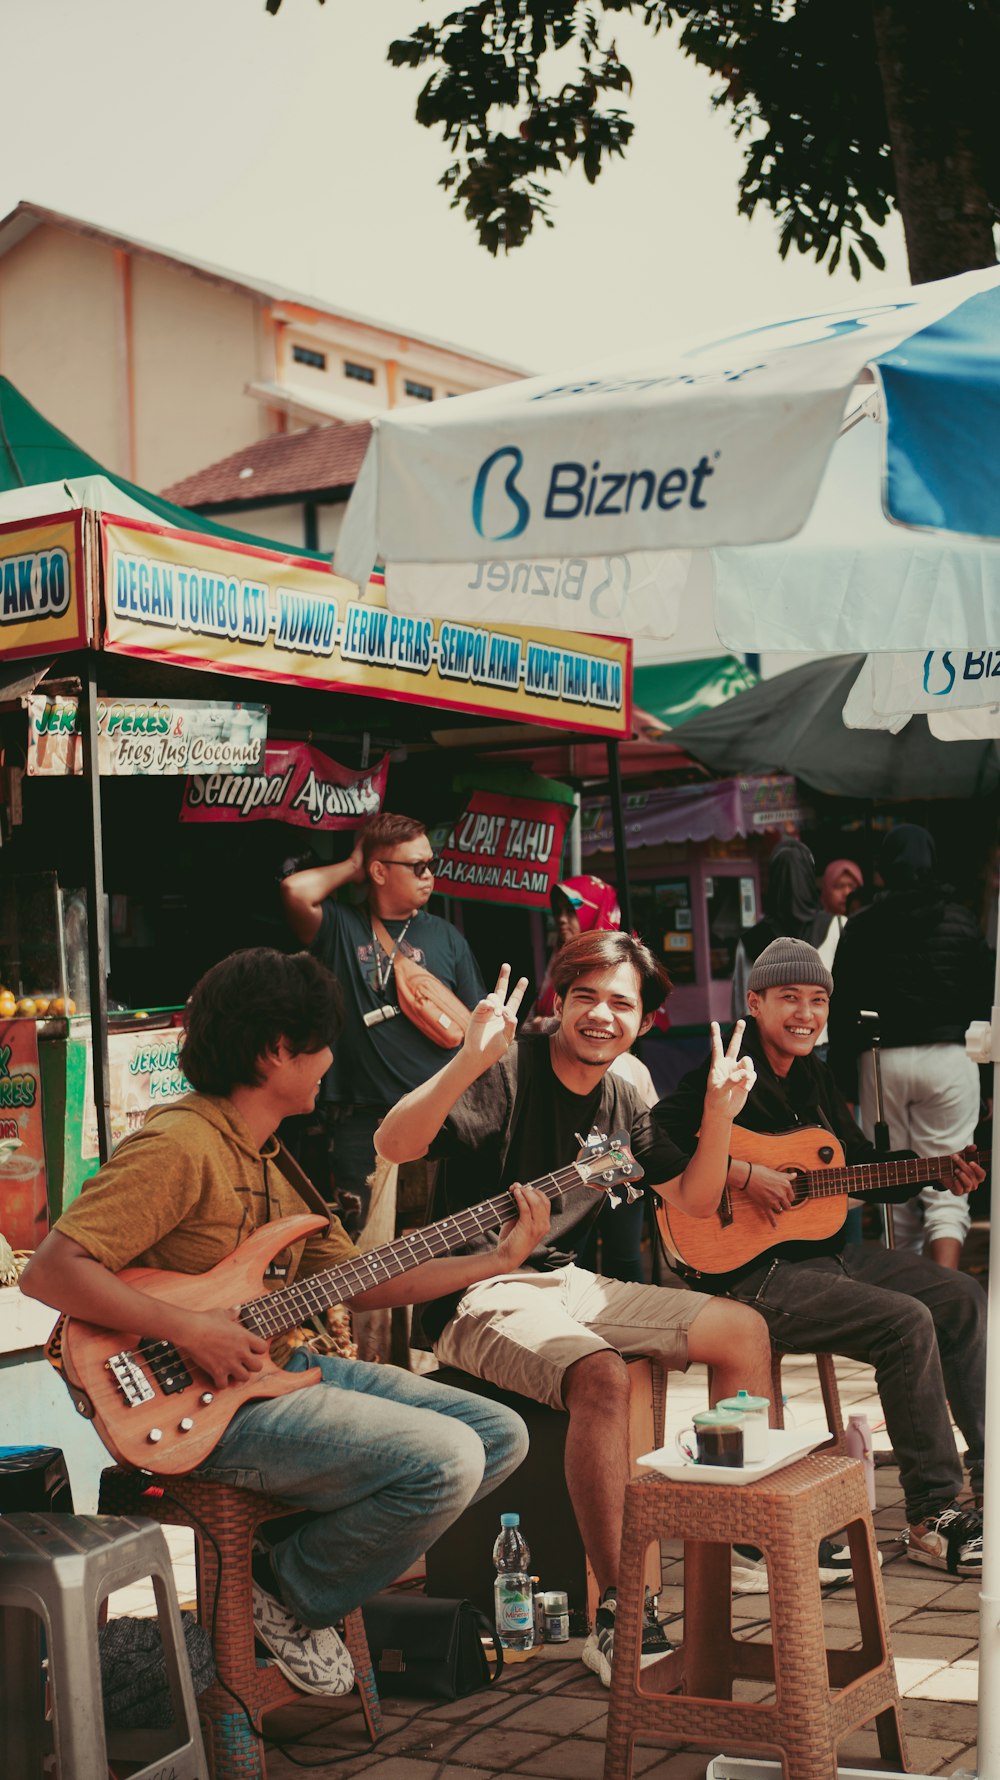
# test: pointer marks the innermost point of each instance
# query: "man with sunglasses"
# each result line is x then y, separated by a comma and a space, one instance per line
381, 1055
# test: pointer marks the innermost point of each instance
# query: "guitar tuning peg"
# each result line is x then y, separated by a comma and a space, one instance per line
582, 1141
632, 1193
614, 1200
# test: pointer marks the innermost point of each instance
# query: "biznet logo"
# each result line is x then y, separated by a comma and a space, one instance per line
500, 508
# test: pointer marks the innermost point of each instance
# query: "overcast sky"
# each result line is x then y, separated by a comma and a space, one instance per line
286, 147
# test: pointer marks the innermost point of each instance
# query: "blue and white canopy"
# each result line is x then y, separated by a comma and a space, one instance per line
607, 499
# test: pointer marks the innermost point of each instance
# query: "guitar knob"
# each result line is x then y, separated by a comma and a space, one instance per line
154, 1435
206, 1398
185, 1425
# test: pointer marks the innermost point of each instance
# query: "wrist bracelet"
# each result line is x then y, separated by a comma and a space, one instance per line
746, 1183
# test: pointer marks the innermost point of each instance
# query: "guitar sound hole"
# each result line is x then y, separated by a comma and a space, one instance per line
166, 1365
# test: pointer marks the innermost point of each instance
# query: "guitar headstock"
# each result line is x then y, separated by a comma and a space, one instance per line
605, 1163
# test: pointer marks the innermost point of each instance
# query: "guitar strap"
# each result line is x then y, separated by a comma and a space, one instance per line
296, 1178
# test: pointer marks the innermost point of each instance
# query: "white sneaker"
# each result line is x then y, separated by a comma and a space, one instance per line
314, 1659
750, 1571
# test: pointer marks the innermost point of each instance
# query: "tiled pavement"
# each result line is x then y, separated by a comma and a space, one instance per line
546, 1716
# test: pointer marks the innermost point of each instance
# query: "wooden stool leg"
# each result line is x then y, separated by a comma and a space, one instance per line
807, 1737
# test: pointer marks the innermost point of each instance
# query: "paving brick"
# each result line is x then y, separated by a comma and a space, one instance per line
563, 1716
501, 1749
921, 1643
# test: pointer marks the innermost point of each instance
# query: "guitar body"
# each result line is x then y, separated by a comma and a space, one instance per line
737, 1232
126, 1426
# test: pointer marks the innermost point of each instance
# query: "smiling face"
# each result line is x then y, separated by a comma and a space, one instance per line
789, 1019
600, 1017
294, 1078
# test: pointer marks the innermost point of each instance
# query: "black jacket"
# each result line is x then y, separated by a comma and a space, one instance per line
807, 1095
918, 959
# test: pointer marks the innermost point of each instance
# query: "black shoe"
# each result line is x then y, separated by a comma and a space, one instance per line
599, 1648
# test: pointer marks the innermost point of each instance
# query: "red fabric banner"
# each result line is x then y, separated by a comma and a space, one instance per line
298, 785
504, 849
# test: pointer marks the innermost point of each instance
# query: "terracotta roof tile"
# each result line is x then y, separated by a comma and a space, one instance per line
290, 464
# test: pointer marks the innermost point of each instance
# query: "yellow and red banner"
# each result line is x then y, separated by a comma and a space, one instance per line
174, 596
43, 604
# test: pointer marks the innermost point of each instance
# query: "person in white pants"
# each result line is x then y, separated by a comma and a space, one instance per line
930, 1097
918, 959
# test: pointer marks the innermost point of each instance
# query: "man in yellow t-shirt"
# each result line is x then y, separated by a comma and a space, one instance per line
384, 1460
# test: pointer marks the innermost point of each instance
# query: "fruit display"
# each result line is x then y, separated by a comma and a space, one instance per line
33, 1007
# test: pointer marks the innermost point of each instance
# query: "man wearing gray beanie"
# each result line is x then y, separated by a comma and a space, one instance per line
922, 1326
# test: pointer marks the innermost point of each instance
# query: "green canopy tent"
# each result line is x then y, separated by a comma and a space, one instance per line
34, 453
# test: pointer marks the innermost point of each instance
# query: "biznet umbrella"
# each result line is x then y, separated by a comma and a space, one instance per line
606, 499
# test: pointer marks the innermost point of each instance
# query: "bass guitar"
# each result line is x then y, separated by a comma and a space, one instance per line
152, 1406
737, 1232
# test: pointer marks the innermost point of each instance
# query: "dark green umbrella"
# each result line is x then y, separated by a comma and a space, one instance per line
794, 724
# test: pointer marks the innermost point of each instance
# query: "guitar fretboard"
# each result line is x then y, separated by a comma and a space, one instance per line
869, 1177
284, 1308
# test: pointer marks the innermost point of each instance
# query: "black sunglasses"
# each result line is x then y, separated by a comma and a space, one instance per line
421, 868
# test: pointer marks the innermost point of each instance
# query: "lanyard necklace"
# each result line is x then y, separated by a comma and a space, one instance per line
382, 975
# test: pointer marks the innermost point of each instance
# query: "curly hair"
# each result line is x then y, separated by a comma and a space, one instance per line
243, 1006
606, 950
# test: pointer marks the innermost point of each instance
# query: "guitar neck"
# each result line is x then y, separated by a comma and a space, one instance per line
871, 1177
288, 1305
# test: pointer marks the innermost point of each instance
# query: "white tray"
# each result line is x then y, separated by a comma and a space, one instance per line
784, 1446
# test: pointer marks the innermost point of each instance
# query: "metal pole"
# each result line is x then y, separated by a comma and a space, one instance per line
97, 955
617, 818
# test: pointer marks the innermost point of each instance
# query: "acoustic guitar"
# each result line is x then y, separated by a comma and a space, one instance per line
153, 1407
737, 1232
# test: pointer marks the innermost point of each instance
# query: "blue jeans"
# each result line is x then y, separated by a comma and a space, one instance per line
384, 1460
922, 1327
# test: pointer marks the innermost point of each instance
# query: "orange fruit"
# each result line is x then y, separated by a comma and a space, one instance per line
26, 1008
59, 1006
42, 1004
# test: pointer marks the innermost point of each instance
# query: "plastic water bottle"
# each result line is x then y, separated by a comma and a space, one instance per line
515, 1619
858, 1440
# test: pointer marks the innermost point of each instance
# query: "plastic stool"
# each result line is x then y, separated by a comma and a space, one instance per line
821, 1694
34, 1477
224, 1521
58, 1569
829, 1388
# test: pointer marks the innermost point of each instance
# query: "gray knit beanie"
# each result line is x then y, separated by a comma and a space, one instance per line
789, 961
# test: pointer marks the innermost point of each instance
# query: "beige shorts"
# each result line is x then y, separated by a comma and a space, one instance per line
524, 1330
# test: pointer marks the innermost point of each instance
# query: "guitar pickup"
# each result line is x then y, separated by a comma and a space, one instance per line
166, 1365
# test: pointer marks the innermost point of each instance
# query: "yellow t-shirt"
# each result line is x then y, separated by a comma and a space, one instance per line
183, 1192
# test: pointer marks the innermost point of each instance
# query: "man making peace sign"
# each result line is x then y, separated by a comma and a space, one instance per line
506, 1110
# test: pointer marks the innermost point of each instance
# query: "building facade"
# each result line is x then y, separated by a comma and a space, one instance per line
159, 365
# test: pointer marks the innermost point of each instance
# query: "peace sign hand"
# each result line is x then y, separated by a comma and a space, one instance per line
730, 1076
494, 1022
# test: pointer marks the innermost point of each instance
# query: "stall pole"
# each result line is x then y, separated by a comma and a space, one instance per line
621, 857
97, 956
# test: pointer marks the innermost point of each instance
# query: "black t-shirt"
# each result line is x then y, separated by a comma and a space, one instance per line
517, 1123
375, 1065
807, 1095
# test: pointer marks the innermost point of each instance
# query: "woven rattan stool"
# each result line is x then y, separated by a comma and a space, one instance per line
822, 1694
57, 1570
224, 1522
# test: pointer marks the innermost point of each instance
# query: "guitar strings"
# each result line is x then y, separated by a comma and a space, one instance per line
276, 1311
